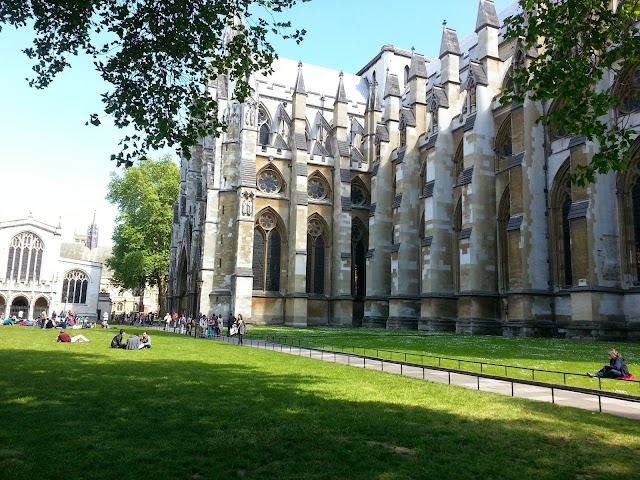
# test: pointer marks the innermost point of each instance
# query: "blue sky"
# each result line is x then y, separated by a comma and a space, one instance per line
54, 166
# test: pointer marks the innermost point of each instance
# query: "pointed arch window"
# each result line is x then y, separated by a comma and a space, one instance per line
402, 126
629, 195
457, 227
432, 108
504, 214
561, 226
264, 127
316, 255
629, 87
24, 261
470, 102
458, 162
74, 287
358, 264
556, 128
504, 143
267, 253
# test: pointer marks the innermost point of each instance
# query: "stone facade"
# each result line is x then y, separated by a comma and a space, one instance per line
37, 276
407, 196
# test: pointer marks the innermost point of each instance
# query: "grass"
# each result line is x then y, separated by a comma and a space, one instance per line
576, 357
191, 409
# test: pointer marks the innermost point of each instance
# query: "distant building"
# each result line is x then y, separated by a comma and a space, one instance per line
39, 277
44, 274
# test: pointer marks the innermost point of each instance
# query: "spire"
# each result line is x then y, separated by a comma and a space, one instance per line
418, 66
341, 96
92, 234
392, 85
449, 44
299, 88
487, 16
232, 30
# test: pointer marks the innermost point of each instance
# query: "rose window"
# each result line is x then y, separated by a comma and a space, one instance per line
314, 228
357, 195
316, 189
268, 182
267, 221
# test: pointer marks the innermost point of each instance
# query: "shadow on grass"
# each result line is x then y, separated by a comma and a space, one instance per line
73, 414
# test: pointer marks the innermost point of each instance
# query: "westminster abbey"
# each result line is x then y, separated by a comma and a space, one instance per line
407, 196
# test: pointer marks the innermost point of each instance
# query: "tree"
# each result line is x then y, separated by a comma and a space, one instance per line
159, 56
575, 45
144, 195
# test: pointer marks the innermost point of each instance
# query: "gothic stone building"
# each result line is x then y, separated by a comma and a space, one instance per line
407, 196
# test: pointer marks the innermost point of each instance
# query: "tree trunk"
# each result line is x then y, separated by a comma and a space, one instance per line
162, 294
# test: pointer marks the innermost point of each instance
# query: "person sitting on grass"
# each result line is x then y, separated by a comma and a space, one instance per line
133, 343
145, 341
118, 340
65, 338
617, 367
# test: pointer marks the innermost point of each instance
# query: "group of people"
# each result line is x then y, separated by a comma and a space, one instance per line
134, 342
205, 326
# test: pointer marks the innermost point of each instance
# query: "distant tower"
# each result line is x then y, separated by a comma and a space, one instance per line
92, 234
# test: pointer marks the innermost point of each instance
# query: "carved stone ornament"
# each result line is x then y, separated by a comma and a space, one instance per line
247, 198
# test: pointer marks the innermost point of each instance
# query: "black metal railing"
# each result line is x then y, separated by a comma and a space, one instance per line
446, 362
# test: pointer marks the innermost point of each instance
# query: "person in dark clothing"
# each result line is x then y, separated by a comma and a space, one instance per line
230, 321
616, 368
118, 341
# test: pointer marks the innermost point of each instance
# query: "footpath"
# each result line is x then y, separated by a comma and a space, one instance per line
620, 404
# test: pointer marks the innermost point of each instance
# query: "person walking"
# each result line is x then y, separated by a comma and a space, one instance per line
242, 329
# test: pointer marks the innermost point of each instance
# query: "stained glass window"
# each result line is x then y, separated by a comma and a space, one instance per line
269, 182
316, 189
315, 257
631, 97
358, 197
267, 251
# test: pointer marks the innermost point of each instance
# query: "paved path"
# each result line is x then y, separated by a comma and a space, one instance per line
578, 398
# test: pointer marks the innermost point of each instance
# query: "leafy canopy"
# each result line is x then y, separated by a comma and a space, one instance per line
159, 56
578, 45
144, 195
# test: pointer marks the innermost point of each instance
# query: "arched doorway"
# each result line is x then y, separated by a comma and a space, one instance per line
41, 305
3, 306
19, 304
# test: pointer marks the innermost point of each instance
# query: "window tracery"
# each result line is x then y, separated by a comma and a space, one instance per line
630, 97
264, 126
24, 261
267, 253
74, 287
315, 256
317, 189
269, 181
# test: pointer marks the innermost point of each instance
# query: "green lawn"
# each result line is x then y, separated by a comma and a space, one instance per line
556, 355
190, 409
